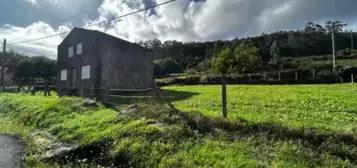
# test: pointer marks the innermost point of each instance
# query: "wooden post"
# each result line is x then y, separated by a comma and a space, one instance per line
296, 75
3, 66
313, 74
352, 80
352, 43
333, 49
82, 93
250, 77
224, 96
279, 76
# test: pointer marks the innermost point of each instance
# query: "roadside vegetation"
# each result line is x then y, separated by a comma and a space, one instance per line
293, 130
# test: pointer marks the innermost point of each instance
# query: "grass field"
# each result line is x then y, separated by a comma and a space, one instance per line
327, 107
139, 141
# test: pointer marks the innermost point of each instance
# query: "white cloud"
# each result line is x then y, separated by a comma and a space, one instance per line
186, 20
32, 1
47, 47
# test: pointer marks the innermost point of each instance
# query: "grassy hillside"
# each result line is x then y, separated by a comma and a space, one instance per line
158, 137
327, 107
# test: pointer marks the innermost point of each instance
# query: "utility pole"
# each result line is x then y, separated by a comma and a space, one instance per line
333, 48
3, 66
334, 27
352, 44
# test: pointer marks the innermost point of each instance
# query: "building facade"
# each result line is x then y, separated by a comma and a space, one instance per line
92, 62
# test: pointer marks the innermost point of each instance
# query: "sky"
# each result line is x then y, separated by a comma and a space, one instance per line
182, 20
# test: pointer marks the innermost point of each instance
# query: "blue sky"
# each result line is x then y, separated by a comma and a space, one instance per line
184, 20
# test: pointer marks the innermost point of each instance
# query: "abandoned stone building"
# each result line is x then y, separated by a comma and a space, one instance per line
92, 62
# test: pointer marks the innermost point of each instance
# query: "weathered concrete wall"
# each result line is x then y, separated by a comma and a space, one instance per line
125, 65
88, 57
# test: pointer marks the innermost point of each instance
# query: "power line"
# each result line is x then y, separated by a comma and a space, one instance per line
39, 38
109, 20
72, 16
63, 20
118, 17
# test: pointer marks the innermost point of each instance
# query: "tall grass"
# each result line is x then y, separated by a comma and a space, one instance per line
158, 138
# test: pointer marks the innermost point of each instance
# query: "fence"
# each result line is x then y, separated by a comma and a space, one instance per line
271, 77
286, 75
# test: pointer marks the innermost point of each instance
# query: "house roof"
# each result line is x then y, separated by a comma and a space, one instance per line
103, 34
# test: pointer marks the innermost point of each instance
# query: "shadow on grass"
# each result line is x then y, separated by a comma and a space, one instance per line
178, 95
341, 145
172, 95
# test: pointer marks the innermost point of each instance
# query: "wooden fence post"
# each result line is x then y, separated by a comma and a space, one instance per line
224, 96
313, 74
352, 80
82, 91
296, 75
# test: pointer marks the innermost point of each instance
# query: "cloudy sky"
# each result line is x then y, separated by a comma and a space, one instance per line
184, 20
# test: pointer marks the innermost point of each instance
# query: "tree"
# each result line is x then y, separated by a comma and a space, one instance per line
43, 67
35, 67
312, 40
275, 49
23, 70
320, 28
223, 65
334, 26
166, 66
310, 27
246, 58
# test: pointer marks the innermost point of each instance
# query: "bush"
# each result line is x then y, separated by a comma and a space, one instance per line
166, 66
191, 71
345, 51
205, 65
158, 71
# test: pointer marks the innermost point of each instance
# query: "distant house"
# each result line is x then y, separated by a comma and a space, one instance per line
92, 62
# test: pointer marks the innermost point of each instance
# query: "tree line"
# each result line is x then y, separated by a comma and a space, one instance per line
313, 40
25, 69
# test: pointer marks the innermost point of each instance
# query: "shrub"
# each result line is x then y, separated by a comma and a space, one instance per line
166, 66
345, 51
158, 71
191, 71
205, 65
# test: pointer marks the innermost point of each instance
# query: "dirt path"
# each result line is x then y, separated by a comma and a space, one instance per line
10, 152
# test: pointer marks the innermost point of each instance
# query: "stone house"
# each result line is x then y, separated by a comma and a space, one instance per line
92, 62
